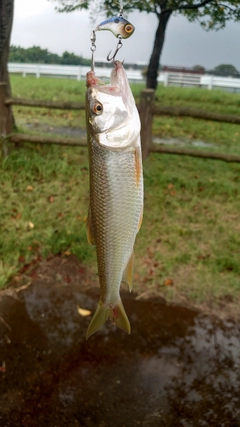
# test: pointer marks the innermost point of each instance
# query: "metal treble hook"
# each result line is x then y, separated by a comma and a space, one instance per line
119, 45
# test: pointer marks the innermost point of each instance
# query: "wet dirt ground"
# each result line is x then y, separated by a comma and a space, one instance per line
177, 368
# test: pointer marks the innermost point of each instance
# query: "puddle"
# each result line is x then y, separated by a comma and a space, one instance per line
177, 368
76, 132
69, 131
181, 142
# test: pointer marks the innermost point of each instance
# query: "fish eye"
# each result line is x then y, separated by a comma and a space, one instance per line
128, 28
97, 108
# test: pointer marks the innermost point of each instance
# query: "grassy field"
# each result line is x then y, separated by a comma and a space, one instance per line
189, 246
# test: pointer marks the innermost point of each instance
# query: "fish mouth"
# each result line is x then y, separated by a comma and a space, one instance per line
115, 80
92, 80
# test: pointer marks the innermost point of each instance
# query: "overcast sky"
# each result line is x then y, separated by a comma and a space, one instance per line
37, 23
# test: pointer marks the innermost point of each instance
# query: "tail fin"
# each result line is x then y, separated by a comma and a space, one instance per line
117, 314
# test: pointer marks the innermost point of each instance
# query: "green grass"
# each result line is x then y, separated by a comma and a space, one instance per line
221, 137
189, 244
48, 89
191, 226
44, 199
203, 99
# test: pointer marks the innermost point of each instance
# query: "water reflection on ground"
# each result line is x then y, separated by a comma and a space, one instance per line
181, 142
177, 368
75, 132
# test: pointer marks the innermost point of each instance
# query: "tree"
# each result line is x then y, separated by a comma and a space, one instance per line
225, 70
37, 54
6, 18
70, 59
211, 14
199, 68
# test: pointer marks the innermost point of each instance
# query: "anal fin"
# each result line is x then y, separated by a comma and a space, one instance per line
128, 272
140, 220
89, 229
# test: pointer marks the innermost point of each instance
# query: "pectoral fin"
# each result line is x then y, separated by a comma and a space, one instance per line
89, 229
128, 272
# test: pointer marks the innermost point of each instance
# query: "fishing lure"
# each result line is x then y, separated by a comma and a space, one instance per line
118, 25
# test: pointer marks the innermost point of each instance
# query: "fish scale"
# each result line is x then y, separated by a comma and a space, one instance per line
114, 224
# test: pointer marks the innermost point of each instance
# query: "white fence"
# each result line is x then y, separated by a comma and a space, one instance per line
72, 71
206, 81
167, 78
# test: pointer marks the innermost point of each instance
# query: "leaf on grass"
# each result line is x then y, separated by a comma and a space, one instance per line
67, 253
83, 312
170, 190
203, 256
29, 188
168, 282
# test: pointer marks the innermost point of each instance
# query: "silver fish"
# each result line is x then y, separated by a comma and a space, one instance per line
116, 189
118, 26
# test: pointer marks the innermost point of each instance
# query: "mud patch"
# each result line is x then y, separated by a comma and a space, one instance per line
177, 368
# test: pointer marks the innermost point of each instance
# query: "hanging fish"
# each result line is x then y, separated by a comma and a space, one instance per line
118, 26
116, 189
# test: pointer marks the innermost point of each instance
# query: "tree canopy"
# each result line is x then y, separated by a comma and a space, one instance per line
36, 54
225, 70
211, 14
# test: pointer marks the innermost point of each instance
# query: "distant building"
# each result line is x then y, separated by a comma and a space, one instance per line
185, 70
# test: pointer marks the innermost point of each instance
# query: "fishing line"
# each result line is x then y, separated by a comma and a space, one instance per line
120, 8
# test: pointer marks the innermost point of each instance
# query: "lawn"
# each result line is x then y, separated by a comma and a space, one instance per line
188, 248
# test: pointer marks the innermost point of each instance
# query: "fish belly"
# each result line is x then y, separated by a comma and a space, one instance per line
116, 201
